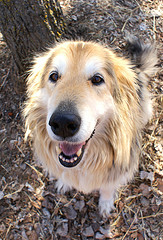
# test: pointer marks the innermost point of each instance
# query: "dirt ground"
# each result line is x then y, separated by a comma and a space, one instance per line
30, 208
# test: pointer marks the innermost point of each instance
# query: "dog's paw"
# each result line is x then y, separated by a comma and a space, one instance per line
106, 206
61, 187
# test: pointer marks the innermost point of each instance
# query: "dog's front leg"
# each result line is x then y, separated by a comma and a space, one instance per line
106, 201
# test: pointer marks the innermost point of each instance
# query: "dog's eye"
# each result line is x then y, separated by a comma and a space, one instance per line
54, 76
97, 79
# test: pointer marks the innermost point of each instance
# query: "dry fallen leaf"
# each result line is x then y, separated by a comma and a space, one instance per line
140, 236
145, 189
160, 184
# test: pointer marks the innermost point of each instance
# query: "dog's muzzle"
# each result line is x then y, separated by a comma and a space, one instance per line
65, 123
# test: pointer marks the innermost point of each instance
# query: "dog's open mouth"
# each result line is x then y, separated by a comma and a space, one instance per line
70, 154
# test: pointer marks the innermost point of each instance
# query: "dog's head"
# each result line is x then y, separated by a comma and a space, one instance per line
76, 87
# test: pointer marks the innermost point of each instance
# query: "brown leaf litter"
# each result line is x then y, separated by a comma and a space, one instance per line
30, 207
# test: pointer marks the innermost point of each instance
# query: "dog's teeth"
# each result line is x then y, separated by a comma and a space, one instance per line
79, 152
75, 158
61, 157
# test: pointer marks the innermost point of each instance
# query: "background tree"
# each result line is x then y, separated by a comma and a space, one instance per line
28, 26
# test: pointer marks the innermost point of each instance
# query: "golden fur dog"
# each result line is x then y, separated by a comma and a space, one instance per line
85, 112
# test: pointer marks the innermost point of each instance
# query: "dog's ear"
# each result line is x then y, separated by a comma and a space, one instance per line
37, 72
122, 76
33, 111
125, 80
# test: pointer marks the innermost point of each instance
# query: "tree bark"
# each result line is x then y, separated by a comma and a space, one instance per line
28, 27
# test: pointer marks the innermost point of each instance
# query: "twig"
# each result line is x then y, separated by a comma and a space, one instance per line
67, 204
113, 40
128, 18
143, 224
8, 231
17, 191
151, 135
56, 206
3, 83
38, 173
20, 150
130, 225
5, 187
130, 209
134, 196
151, 216
117, 219
138, 5
151, 159
156, 125
154, 27
126, 22
4, 139
34, 203
4, 168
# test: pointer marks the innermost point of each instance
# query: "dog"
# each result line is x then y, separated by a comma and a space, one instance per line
85, 112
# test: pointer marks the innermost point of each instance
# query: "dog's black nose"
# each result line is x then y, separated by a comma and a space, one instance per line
65, 124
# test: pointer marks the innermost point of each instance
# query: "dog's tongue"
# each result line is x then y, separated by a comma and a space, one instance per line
70, 149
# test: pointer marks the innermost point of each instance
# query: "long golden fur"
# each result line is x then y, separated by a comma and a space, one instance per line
113, 107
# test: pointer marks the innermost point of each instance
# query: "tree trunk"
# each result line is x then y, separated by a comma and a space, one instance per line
29, 26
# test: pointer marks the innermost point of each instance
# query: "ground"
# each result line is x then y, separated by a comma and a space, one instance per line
30, 208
